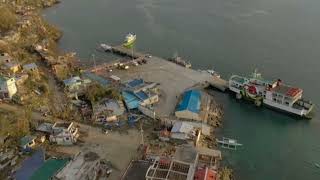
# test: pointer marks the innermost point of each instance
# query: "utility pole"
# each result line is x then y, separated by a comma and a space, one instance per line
141, 132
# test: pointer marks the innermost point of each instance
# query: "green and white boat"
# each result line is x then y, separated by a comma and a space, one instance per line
129, 40
274, 94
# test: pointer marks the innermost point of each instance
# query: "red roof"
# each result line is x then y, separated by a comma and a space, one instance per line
286, 90
293, 92
205, 174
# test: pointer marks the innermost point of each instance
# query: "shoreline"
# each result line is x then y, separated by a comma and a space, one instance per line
46, 46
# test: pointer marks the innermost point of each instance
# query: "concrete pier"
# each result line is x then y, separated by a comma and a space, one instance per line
173, 79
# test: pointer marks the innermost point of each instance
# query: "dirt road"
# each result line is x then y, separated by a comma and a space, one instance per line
118, 148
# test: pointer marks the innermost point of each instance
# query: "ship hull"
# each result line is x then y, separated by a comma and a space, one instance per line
289, 110
277, 107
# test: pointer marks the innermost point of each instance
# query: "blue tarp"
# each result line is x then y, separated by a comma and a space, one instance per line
191, 101
30, 165
135, 83
132, 102
142, 95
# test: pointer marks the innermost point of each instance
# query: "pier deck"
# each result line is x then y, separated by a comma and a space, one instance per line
173, 79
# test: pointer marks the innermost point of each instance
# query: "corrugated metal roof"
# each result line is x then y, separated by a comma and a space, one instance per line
191, 101
71, 81
142, 95
30, 165
181, 127
30, 66
132, 102
135, 82
98, 79
26, 139
49, 169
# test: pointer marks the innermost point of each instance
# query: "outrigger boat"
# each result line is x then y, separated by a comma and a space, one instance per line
228, 143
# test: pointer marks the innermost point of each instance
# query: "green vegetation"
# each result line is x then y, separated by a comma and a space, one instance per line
226, 173
95, 92
15, 124
8, 19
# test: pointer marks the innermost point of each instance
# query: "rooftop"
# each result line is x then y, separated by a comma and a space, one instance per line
98, 79
167, 169
45, 127
286, 90
30, 66
71, 81
49, 169
132, 102
4, 57
137, 170
11, 64
30, 165
26, 139
135, 83
191, 101
142, 95
78, 166
62, 124
205, 174
186, 153
3, 79
181, 127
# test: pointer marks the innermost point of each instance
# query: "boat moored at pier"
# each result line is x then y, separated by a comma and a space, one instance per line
274, 94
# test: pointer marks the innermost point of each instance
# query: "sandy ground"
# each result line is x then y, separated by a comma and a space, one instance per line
118, 148
173, 79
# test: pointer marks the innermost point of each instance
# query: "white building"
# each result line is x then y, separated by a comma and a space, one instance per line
64, 133
8, 87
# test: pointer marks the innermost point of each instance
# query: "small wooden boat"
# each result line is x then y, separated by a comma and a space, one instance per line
228, 143
105, 47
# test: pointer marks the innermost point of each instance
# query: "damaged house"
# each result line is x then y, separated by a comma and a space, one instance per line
138, 92
108, 110
84, 166
62, 133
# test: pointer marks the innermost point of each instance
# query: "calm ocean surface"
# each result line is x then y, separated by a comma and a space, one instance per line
279, 37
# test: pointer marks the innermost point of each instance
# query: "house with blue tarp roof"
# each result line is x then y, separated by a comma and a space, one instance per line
190, 105
30, 165
135, 83
131, 101
137, 92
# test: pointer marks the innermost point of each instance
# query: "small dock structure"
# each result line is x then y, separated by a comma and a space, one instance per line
127, 52
219, 83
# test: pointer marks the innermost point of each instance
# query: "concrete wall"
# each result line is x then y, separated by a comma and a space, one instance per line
9, 86
187, 115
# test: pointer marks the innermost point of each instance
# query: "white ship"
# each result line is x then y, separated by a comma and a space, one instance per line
274, 94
